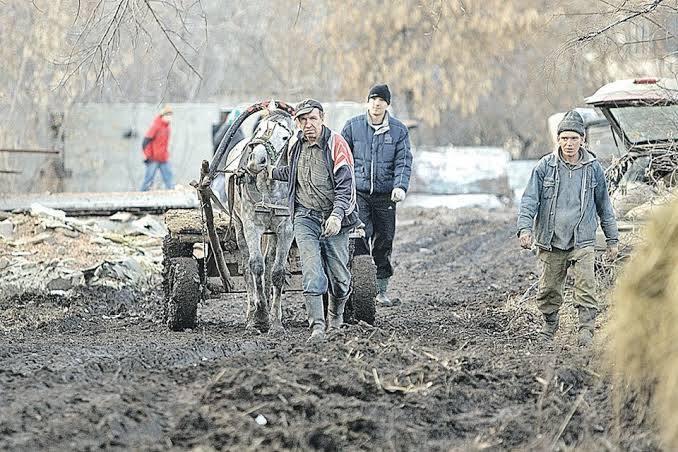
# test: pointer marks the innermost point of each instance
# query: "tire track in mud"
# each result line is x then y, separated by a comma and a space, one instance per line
86, 363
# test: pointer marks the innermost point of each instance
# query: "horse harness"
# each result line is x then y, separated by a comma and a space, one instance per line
244, 180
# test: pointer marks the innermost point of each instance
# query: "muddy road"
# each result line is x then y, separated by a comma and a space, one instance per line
458, 366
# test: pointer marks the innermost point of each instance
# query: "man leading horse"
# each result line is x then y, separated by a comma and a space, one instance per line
322, 202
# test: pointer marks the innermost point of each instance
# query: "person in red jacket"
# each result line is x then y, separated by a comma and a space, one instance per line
156, 150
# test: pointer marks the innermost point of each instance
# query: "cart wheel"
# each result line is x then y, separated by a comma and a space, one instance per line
171, 248
182, 293
364, 289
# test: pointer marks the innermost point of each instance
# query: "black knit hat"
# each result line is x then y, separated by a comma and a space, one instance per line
572, 122
380, 91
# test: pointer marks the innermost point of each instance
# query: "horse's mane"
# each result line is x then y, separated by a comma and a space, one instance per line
277, 115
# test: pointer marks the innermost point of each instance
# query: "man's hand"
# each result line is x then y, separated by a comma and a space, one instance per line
332, 226
147, 161
398, 195
611, 253
525, 239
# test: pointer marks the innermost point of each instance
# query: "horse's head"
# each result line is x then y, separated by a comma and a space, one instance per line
269, 141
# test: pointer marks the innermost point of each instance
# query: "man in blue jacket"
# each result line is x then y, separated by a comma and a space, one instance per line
322, 202
383, 164
563, 199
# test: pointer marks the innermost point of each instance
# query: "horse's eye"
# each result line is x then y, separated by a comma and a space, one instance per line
286, 137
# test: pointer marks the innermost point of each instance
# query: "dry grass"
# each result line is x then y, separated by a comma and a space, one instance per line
644, 323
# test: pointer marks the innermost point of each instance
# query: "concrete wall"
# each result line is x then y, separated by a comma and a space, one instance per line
39, 173
102, 148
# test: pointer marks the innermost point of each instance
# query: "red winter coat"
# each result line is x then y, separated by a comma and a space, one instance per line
156, 141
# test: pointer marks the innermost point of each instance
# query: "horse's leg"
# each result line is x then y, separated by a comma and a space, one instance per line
271, 244
253, 235
285, 236
244, 264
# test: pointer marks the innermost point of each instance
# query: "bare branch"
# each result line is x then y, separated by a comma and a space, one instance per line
646, 41
584, 13
257, 46
669, 35
592, 35
104, 52
617, 8
81, 36
164, 30
182, 39
167, 76
36, 7
77, 14
296, 19
204, 17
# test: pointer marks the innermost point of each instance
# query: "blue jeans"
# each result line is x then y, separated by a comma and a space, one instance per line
324, 260
151, 168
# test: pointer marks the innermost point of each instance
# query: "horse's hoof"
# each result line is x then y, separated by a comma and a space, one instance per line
257, 326
252, 327
277, 330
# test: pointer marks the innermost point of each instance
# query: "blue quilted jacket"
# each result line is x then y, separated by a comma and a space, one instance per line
382, 162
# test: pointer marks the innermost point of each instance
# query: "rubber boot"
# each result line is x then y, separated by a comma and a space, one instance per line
335, 312
587, 324
551, 322
382, 299
316, 318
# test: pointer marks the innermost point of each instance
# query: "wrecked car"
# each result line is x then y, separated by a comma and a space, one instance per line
643, 115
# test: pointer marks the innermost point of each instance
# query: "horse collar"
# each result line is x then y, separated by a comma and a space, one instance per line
270, 150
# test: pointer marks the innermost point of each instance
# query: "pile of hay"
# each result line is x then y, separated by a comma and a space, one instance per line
644, 327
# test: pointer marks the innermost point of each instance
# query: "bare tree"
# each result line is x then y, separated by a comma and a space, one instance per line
439, 54
488, 71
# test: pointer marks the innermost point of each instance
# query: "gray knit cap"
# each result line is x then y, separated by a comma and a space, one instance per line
572, 122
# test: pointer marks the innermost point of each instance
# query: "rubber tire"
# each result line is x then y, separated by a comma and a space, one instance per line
183, 294
364, 289
171, 248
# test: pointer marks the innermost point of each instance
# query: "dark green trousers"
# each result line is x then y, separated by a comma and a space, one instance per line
554, 266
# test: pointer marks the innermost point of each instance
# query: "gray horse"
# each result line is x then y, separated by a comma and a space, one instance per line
259, 209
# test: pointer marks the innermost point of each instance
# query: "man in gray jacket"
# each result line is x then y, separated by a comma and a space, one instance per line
322, 203
565, 195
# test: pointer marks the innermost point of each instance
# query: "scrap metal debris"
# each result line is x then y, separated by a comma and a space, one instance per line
48, 251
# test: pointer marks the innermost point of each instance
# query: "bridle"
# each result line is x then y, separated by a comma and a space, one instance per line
245, 180
264, 139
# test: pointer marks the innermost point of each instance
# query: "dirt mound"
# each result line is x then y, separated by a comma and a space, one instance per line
645, 317
343, 396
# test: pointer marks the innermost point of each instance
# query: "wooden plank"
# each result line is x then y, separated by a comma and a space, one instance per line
102, 203
189, 221
215, 285
205, 193
30, 151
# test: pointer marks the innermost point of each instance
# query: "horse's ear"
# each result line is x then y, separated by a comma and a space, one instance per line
271, 106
